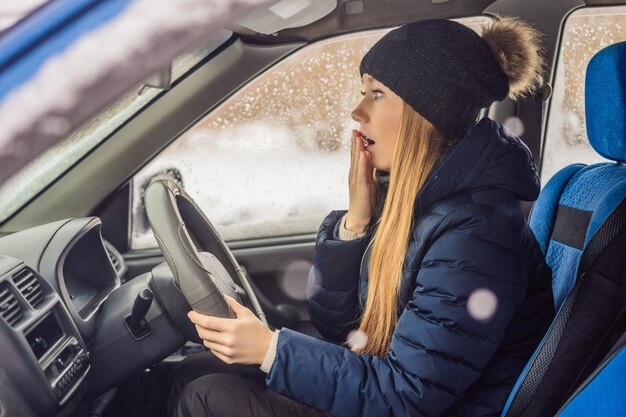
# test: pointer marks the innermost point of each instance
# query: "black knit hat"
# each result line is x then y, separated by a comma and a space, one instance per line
442, 69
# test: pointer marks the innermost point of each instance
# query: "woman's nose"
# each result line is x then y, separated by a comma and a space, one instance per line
358, 115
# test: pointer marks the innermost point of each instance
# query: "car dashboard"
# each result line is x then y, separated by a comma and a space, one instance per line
42, 348
54, 281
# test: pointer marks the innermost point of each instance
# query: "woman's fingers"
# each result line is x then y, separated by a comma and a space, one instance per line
366, 179
366, 171
223, 353
209, 322
237, 308
357, 161
353, 156
359, 143
212, 335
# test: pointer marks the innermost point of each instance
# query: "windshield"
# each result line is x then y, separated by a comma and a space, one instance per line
48, 166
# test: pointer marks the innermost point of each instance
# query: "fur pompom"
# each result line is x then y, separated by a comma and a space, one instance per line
516, 46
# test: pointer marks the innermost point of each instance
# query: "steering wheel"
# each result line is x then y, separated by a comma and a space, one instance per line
203, 266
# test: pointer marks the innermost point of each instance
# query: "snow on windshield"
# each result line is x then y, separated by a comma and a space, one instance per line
11, 12
72, 86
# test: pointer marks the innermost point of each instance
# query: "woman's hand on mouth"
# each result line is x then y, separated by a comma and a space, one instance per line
362, 186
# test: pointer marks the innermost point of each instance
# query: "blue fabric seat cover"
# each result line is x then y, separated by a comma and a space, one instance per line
592, 191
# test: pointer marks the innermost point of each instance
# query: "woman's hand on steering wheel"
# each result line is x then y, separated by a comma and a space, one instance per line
242, 340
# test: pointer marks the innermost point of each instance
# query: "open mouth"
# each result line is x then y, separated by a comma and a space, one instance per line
367, 141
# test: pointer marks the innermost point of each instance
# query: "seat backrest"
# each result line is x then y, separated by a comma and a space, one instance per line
569, 212
565, 222
577, 199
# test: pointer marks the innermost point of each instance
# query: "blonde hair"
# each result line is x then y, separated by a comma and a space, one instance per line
418, 147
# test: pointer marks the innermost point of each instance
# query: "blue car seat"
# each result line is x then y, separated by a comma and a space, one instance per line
569, 214
602, 394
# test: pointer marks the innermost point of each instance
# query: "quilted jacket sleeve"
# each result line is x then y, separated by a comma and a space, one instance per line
332, 288
438, 349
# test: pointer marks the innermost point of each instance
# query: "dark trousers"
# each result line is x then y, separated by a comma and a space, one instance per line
204, 386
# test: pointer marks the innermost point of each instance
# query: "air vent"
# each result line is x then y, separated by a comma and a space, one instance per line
9, 307
116, 259
26, 282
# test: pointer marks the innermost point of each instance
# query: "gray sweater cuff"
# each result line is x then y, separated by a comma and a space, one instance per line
345, 234
268, 361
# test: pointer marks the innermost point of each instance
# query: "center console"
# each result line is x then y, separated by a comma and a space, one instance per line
63, 360
42, 350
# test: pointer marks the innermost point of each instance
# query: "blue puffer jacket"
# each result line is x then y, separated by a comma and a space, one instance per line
469, 233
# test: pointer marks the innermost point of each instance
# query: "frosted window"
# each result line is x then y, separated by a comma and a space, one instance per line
273, 159
586, 32
44, 169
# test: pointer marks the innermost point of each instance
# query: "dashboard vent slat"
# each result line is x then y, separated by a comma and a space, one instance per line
26, 282
9, 306
116, 259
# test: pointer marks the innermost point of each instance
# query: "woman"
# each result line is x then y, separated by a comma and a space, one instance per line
407, 263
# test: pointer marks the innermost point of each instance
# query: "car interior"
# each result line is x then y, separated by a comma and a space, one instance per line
92, 324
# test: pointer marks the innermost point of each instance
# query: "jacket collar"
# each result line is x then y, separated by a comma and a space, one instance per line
489, 156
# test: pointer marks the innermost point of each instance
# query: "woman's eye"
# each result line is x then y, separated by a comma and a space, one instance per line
377, 94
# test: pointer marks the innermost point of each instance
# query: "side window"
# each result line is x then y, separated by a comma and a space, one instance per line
273, 159
586, 31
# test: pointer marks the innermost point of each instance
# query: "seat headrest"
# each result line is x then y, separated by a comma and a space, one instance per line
605, 102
